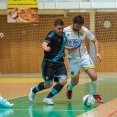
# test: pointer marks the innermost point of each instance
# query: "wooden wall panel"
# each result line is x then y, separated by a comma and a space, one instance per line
109, 57
21, 50
107, 38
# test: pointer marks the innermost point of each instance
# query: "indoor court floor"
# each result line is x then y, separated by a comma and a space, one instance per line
16, 90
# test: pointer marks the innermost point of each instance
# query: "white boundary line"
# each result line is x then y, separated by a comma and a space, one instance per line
46, 110
49, 90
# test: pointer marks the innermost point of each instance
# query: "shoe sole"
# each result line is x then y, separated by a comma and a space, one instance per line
29, 99
99, 102
29, 96
48, 103
7, 106
11, 105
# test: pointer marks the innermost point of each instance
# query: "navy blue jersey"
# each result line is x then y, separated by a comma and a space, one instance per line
56, 43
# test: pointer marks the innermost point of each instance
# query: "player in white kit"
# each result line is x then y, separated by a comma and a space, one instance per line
78, 56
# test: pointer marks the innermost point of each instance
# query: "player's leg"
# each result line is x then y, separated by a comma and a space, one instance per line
55, 90
74, 67
94, 83
71, 84
41, 86
89, 67
5, 103
48, 81
60, 77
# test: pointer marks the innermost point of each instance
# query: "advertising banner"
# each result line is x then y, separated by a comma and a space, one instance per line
22, 11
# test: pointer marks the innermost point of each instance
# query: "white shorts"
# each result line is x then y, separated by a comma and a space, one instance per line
77, 64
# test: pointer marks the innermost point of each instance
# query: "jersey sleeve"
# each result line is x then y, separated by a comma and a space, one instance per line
48, 38
89, 35
65, 38
64, 31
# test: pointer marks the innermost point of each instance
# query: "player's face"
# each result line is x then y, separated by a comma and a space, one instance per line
59, 29
76, 27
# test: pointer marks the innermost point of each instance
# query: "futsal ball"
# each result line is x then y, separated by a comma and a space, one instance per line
88, 100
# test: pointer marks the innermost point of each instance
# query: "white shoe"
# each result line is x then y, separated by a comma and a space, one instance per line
5, 103
31, 95
48, 101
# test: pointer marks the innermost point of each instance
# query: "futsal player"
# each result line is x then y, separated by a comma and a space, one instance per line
3, 102
78, 55
53, 67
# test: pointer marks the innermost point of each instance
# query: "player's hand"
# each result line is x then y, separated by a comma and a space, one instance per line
47, 49
98, 55
1, 35
72, 48
63, 54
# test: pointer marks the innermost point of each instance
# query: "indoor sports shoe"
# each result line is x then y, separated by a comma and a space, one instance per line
48, 101
69, 94
98, 98
31, 95
5, 103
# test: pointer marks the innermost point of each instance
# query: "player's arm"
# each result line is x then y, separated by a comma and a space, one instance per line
94, 40
70, 48
63, 54
96, 44
45, 46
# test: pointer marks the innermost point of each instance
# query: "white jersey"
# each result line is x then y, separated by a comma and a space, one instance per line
77, 39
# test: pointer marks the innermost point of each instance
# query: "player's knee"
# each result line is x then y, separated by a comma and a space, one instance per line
48, 85
63, 81
94, 78
74, 82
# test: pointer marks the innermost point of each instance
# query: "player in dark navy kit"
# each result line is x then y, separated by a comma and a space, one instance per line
53, 67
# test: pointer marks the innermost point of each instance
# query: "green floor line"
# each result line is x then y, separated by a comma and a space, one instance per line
63, 107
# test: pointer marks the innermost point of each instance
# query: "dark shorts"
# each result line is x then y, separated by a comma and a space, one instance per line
53, 71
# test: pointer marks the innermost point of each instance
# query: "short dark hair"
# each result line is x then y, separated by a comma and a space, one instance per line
78, 19
58, 22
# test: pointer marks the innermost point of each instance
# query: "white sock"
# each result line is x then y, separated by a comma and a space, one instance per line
95, 86
70, 86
